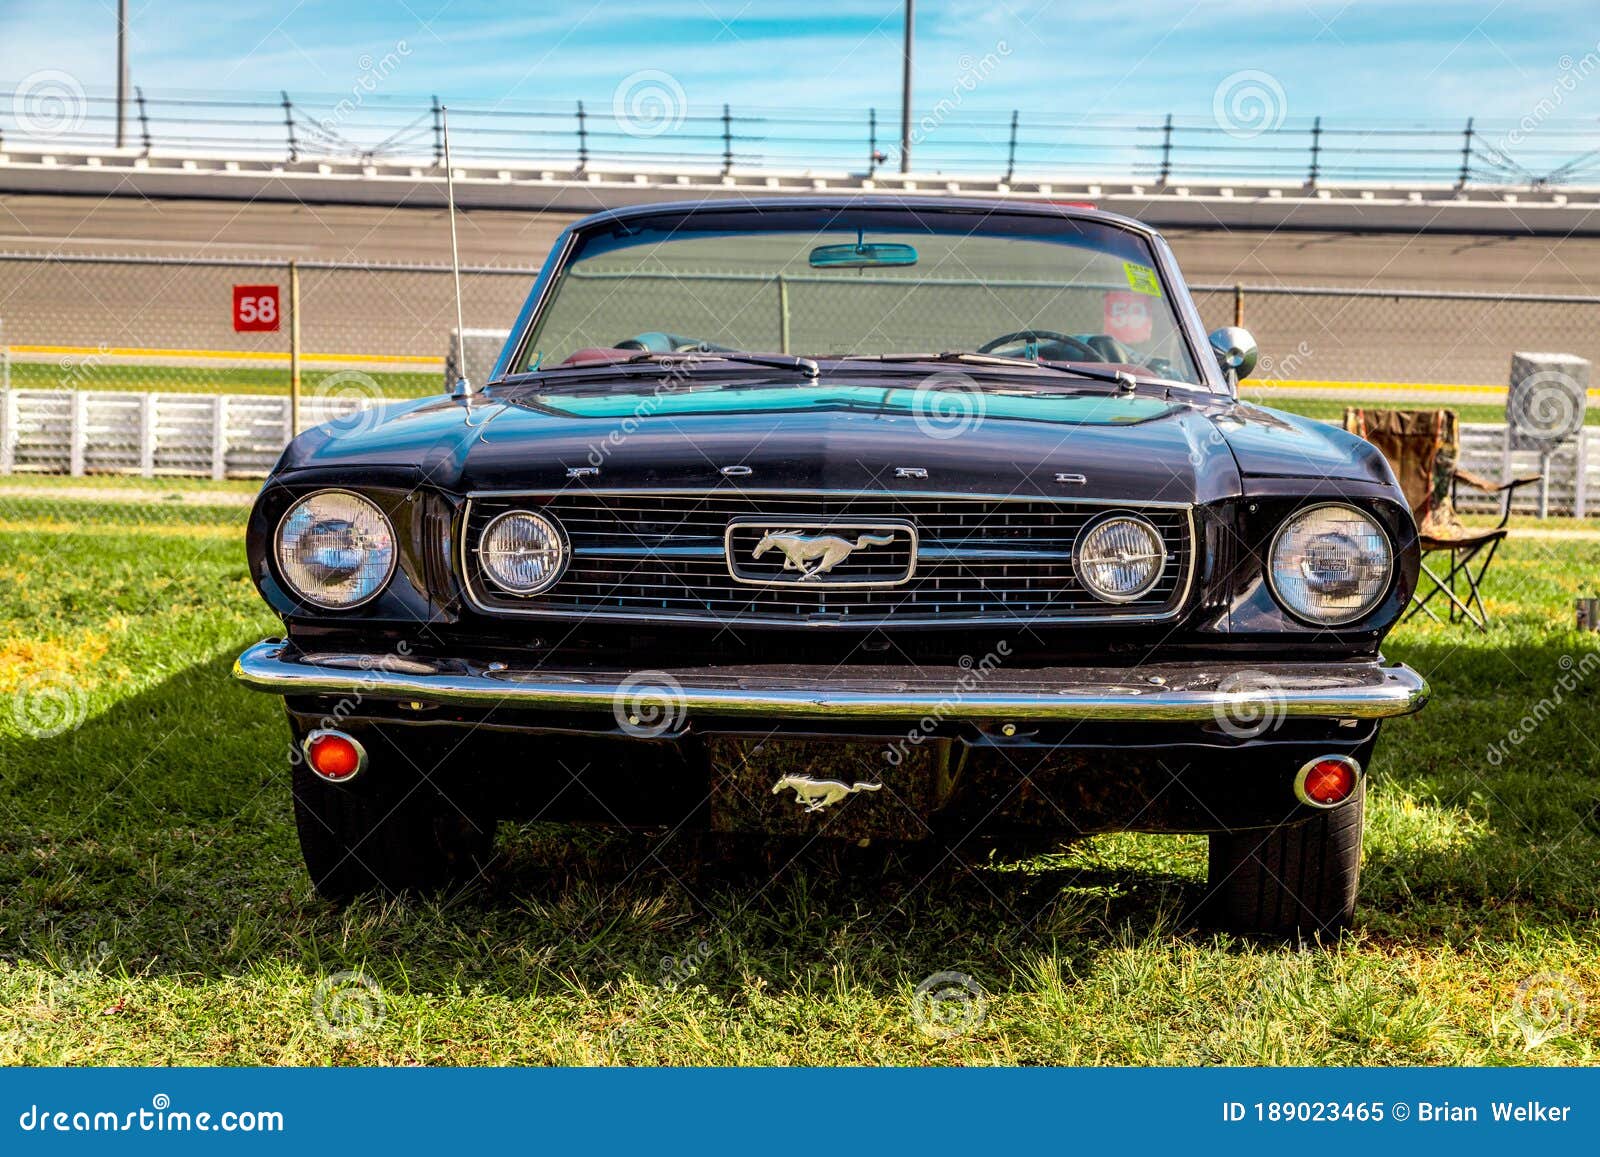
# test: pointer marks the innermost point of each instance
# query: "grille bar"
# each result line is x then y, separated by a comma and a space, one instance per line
643, 555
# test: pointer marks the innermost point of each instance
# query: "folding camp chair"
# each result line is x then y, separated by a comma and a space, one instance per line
1423, 446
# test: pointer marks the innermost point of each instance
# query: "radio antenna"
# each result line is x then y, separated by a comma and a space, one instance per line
462, 385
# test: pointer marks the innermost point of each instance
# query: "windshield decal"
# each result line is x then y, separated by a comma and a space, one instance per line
1142, 279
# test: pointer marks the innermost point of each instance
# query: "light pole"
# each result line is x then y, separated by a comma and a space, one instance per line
905, 92
122, 67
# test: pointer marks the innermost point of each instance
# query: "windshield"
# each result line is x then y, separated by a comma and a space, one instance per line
864, 283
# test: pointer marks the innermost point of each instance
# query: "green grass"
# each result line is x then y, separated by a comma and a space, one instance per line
154, 910
158, 489
1332, 409
83, 374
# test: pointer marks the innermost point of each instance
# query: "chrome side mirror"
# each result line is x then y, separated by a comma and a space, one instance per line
1235, 350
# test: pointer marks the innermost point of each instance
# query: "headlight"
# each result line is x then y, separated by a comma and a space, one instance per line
1330, 564
521, 552
1119, 557
335, 549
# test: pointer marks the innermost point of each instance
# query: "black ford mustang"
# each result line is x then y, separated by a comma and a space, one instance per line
843, 518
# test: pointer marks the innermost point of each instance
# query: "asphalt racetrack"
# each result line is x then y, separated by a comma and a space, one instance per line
177, 309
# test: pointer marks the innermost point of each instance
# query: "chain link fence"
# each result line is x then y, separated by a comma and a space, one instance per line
149, 365
1422, 337
221, 326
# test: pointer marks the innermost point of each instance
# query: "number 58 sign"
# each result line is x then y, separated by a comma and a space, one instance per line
255, 309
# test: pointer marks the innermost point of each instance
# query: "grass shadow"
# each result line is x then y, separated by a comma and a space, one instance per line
157, 838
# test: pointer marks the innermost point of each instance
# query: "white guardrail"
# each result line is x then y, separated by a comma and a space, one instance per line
78, 432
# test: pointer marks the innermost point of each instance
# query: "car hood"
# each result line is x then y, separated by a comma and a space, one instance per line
839, 434
1273, 444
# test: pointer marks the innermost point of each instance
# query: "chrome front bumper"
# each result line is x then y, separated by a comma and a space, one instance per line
1156, 692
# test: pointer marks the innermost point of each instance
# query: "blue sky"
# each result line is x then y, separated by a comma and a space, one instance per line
1404, 61
1389, 59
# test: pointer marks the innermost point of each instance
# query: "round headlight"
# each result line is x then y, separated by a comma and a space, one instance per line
1330, 564
1120, 557
335, 549
521, 552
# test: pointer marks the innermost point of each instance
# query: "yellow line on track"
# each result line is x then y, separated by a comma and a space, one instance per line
222, 355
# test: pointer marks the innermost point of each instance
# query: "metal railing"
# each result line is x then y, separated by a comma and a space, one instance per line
671, 132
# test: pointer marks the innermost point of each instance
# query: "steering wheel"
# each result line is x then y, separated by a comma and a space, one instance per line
656, 342
1082, 351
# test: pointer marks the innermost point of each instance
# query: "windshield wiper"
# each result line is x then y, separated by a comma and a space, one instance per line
777, 361
1120, 378
800, 365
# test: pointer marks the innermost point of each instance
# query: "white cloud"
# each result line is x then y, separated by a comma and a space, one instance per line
1396, 59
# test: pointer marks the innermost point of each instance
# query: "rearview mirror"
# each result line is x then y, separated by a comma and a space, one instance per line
862, 255
1235, 350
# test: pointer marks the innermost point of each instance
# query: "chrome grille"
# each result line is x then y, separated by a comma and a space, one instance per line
661, 555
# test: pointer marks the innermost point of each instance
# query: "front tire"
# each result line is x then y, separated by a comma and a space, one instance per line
377, 834
1293, 880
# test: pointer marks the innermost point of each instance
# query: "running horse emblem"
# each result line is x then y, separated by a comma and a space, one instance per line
816, 794
815, 556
